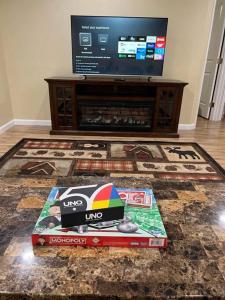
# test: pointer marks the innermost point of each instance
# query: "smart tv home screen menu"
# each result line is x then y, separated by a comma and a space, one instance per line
118, 46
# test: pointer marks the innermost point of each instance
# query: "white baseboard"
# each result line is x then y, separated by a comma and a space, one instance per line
32, 122
186, 126
6, 126
11, 123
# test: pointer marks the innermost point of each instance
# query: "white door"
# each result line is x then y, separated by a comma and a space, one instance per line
213, 59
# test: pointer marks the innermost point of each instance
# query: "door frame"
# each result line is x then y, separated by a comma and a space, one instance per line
218, 98
206, 56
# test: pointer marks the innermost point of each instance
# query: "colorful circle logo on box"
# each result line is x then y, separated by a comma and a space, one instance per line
106, 196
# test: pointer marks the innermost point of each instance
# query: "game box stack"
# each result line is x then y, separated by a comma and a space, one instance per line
100, 215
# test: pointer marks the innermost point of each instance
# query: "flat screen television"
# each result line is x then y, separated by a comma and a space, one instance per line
118, 45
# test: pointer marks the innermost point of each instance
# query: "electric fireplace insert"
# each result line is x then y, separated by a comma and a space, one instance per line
115, 115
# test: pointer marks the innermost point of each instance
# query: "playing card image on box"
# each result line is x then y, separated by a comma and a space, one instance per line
141, 227
136, 197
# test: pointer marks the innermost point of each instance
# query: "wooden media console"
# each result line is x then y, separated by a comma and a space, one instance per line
115, 107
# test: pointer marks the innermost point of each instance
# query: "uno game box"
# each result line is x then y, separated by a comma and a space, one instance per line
88, 204
140, 227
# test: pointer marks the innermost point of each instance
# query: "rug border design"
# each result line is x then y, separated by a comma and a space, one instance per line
9, 154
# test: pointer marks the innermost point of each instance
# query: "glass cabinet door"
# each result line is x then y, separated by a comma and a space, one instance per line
64, 106
167, 102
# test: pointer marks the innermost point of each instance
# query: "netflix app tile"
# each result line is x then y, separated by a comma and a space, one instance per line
160, 39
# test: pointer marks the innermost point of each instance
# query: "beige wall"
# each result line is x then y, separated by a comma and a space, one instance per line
36, 36
6, 114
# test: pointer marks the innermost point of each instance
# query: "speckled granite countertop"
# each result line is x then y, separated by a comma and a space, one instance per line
192, 265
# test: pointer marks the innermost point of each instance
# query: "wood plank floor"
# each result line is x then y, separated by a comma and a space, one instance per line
210, 135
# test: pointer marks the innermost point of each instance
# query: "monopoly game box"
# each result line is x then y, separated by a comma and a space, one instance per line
140, 227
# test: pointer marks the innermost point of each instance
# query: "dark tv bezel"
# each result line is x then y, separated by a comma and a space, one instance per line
117, 75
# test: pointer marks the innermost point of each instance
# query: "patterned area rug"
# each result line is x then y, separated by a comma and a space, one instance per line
162, 160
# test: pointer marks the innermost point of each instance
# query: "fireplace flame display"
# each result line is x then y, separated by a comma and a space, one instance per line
134, 116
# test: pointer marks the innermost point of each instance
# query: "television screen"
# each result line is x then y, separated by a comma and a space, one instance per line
118, 45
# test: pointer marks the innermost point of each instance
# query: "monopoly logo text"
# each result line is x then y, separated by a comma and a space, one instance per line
67, 240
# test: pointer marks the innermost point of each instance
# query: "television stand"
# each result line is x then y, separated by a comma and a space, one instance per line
115, 107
